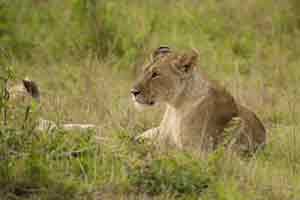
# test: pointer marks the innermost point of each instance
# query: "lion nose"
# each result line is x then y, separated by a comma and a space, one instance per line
135, 92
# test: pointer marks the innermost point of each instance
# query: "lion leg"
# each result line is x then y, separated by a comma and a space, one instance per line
149, 134
252, 134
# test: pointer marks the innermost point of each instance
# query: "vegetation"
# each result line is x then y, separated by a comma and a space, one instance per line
85, 54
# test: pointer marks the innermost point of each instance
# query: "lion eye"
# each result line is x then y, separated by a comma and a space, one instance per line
154, 75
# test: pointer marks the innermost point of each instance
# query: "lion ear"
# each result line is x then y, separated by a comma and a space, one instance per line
32, 88
160, 51
187, 61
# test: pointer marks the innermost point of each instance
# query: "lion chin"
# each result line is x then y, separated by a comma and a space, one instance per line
142, 106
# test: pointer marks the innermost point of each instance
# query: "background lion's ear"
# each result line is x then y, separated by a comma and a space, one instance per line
32, 88
160, 51
187, 61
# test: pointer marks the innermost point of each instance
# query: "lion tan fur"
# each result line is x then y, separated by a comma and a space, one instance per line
198, 110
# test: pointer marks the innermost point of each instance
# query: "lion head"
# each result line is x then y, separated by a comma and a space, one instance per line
164, 77
26, 89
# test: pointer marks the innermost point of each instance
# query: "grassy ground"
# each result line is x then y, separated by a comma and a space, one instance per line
85, 55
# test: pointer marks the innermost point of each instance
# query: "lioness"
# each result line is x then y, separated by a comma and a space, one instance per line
198, 110
28, 91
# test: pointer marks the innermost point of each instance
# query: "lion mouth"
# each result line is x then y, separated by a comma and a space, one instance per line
143, 102
150, 103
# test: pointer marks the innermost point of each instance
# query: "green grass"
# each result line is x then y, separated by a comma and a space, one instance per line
85, 55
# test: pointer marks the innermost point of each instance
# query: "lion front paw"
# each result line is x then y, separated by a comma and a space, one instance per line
149, 134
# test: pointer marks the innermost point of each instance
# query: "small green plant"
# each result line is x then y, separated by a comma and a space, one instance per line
180, 175
6, 75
